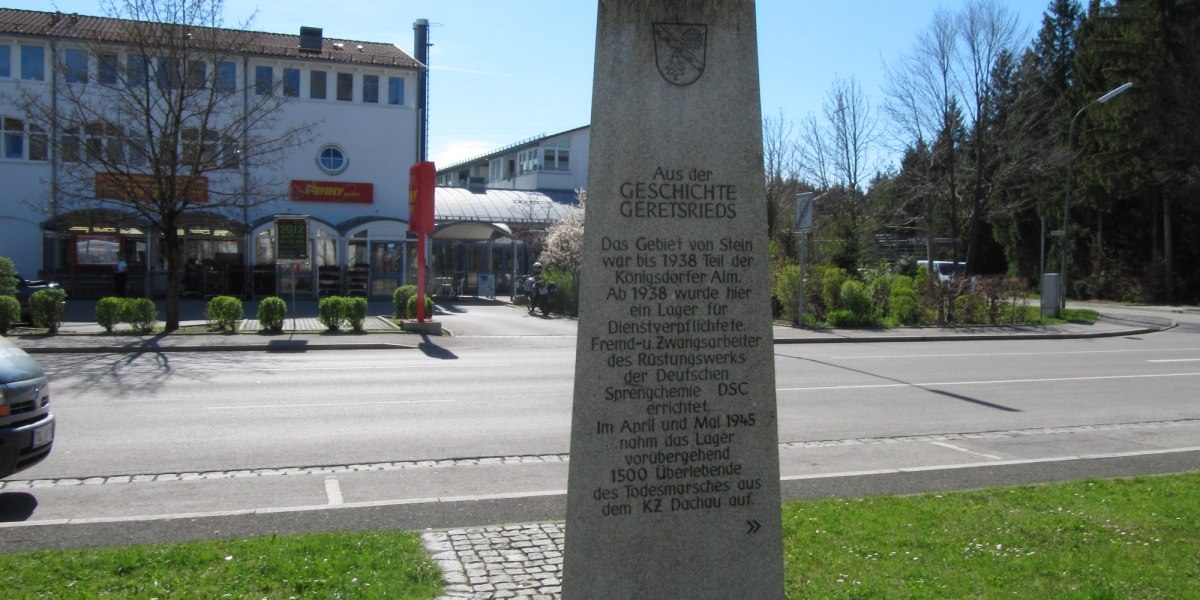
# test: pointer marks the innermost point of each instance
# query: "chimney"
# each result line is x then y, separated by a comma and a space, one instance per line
421, 47
311, 39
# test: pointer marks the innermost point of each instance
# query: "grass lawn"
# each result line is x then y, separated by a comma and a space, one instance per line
326, 565
1098, 539
1125, 538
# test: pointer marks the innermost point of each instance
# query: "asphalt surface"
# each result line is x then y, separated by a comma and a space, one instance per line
26, 514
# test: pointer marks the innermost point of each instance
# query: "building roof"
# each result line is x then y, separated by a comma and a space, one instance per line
515, 146
106, 29
452, 204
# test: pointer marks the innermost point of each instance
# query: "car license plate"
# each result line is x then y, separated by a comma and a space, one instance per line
43, 435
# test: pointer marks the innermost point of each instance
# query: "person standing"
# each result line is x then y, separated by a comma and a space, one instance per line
120, 278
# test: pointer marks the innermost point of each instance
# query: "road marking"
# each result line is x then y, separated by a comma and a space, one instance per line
1174, 360
936, 384
978, 354
961, 449
1002, 463
333, 491
550, 493
327, 404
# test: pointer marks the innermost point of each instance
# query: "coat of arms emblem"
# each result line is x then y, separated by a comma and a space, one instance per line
679, 50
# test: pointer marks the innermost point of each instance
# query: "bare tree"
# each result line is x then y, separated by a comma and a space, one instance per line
922, 102
854, 130
163, 128
814, 149
988, 31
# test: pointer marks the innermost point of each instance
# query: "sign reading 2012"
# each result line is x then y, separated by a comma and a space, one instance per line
291, 238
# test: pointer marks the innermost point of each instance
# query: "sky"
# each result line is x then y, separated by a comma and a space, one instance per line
503, 72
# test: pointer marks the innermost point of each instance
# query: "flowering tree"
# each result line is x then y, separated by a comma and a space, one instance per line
564, 240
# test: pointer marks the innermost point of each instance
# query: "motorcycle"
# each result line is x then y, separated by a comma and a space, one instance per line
539, 292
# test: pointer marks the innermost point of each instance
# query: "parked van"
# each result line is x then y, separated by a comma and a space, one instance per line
945, 269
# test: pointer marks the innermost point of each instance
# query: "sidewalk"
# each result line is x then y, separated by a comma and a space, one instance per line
303, 333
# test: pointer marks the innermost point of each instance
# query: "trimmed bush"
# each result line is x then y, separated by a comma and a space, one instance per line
109, 312
400, 301
331, 312
355, 312
140, 313
272, 310
46, 307
10, 313
8, 277
412, 307
224, 312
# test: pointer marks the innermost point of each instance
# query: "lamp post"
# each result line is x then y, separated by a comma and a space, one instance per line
1066, 236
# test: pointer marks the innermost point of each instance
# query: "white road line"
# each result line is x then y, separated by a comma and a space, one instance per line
547, 493
326, 404
936, 384
1174, 360
333, 491
978, 354
350, 367
961, 449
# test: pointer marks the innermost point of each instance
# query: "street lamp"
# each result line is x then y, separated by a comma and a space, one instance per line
1066, 236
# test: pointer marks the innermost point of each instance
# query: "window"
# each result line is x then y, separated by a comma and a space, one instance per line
69, 144
345, 86
16, 132
106, 68
138, 70
226, 77
332, 160
197, 74
230, 153
5, 61
199, 150
33, 63
169, 75
527, 161
263, 80
138, 149
104, 143
291, 83
556, 156
371, 88
496, 169
76, 63
316, 85
395, 90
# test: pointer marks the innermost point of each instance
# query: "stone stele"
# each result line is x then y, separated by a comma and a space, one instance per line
673, 488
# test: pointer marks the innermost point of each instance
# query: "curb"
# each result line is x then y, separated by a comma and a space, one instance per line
284, 346
974, 337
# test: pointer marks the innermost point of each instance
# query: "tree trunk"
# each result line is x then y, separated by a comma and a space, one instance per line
174, 249
1168, 253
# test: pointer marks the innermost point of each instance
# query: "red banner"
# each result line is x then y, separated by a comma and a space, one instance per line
136, 187
332, 191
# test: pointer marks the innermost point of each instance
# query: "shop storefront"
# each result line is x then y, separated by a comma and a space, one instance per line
82, 249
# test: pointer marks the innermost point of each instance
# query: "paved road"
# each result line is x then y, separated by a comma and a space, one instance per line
474, 430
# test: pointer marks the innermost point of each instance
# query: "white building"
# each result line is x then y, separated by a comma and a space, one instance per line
350, 177
489, 206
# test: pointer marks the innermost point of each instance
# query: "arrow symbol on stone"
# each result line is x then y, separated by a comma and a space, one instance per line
754, 527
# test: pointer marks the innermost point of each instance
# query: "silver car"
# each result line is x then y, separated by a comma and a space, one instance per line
26, 423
